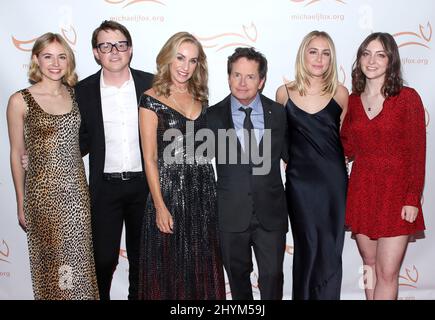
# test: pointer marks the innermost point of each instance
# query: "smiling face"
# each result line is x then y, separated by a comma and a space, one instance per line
184, 63
317, 57
374, 60
52, 61
113, 61
244, 80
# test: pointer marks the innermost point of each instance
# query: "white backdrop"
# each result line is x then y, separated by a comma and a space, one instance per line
273, 27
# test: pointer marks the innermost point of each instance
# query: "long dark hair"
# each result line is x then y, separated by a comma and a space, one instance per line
393, 76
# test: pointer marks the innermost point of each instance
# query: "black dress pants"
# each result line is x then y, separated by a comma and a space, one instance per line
269, 249
119, 201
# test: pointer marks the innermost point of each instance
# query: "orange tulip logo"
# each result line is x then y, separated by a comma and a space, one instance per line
231, 39
23, 45
4, 252
310, 2
410, 279
422, 38
70, 35
130, 2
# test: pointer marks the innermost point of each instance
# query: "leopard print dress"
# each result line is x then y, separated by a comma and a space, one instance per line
56, 206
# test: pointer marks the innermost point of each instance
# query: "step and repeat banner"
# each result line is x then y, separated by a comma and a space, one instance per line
275, 28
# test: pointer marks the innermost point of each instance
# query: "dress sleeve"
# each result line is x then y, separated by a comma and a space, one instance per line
415, 126
346, 134
149, 103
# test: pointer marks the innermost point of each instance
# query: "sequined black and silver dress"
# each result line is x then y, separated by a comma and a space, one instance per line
186, 264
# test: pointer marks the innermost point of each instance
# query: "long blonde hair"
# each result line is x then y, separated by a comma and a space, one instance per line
35, 75
330, 77
198, 84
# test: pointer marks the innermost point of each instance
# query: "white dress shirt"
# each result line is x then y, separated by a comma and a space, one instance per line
121, 127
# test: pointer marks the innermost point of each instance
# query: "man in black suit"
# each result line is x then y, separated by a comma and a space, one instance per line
251, 199
109, 133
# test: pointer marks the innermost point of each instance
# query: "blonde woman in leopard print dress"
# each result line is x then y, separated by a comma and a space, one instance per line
52, 196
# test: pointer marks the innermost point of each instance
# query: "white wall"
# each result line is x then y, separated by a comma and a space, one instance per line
273, 27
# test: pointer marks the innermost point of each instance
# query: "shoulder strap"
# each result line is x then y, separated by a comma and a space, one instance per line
286, 89
27, 96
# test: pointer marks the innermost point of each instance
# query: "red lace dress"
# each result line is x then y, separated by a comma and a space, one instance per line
389, 165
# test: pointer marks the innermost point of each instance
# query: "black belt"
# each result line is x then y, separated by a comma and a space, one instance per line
123, 175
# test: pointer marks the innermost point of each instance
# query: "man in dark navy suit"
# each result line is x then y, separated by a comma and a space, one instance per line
251, 200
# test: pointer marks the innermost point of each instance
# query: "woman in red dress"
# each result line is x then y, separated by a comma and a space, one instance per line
384, 134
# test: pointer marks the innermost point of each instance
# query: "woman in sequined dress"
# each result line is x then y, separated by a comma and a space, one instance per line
384, 134
180, 255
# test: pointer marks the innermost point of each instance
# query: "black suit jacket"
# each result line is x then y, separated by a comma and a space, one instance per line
240, 193
92, 139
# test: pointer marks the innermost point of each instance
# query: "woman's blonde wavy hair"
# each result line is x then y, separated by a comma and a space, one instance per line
330, 77
35, 75
198, 84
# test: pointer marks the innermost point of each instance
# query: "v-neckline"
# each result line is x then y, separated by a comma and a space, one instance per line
314, 113
173, 109
365, 112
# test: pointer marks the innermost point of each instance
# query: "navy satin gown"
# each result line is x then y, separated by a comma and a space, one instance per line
316, 183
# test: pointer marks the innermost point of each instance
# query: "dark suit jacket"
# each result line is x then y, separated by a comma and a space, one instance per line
240, 193
92, 139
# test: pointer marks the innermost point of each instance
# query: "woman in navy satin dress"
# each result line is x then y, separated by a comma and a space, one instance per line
316, 178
